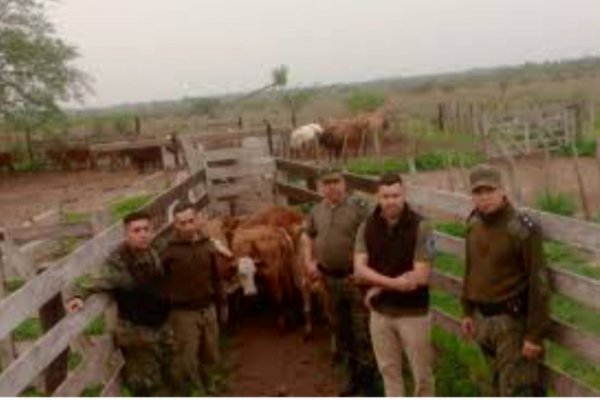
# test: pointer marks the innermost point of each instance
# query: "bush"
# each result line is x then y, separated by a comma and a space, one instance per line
556, 203
362, 101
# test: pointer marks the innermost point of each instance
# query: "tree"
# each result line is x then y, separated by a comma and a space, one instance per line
36, 67
279, 78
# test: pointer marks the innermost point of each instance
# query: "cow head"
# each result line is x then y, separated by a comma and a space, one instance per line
247, 272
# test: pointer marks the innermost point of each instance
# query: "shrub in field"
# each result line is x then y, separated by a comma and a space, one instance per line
363, 101
556, 203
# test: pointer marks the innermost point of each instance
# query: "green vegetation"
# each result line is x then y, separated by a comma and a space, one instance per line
432, 161
72, 217
458, 229
364, 101
30, 329
556, 202
122, 207
92, 391
74, 360
586, 147
32, 392
96, 327
13, 284
568, 258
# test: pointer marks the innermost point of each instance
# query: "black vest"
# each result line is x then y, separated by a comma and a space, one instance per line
391, 253
142, 305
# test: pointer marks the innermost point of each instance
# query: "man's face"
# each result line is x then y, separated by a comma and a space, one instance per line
488, 199
186, 223
334, 190
391, 200
138, 234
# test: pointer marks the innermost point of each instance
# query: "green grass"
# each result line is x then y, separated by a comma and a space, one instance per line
30, 329
568, 258
32, 392
450, 264
556, 202
565, 361
432, 161
586, 147
576, 314
13, 284
122, 207
460, 371
74, 360
96, 327
92, 391
76, 216
458, 229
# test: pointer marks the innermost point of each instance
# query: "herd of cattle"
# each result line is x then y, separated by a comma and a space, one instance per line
265, 253
81, 157
338, 138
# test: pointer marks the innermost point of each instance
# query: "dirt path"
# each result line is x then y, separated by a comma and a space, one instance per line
25, 195
265, 363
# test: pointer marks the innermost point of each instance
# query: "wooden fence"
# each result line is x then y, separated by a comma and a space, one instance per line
574, 232
101, 364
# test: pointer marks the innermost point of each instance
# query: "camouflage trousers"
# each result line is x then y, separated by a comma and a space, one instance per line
147, 353
196, 349
500, 338
351, 330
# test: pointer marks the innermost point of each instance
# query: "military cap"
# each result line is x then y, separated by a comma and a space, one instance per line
331, 173
485, 175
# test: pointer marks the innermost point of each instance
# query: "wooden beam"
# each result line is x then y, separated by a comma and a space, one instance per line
51, 232
30, 364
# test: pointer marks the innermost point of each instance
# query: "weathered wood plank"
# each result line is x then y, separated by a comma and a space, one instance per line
28, 299
7, 348
51, 232
113, 383
15, 261
296, 193
30, 364
91, 369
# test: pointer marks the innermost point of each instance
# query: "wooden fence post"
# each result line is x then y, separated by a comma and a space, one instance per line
7, 347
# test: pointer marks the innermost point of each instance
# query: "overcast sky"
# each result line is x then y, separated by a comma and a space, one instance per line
143, 50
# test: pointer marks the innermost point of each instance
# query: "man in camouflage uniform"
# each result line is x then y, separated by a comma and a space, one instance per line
331, 228
506, 288
132, 274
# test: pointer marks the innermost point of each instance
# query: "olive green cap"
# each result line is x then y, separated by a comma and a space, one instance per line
331, 173
485, 175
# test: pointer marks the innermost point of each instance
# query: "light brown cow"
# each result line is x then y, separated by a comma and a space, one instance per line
273, 238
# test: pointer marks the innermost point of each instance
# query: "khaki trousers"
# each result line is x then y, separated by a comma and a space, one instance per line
411, 334
195, 347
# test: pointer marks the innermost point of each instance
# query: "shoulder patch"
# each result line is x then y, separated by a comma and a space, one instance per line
357, 201
522, 225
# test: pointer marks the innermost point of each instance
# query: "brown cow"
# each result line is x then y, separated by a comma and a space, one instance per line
6, 161
273, 237
146, 158
80, 157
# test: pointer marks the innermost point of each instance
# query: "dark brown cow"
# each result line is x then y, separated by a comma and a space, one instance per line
146, 158
6, 161
80, 158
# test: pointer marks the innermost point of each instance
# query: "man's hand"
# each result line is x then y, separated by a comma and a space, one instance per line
313, 272
468, 327
75, 304
531, 351
371, 294
401, 284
